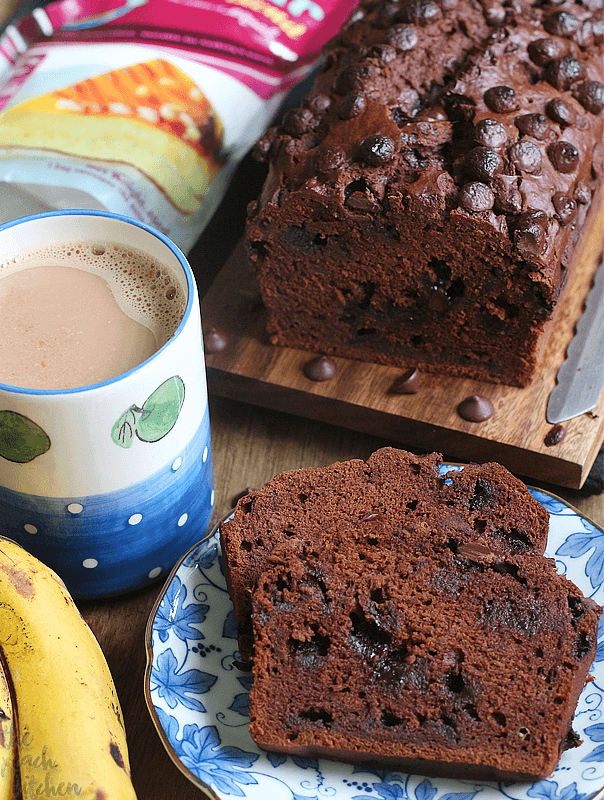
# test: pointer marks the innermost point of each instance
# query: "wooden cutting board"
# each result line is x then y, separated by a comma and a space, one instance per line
359, 397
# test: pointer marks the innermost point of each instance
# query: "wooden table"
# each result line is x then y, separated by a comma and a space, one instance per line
250, 445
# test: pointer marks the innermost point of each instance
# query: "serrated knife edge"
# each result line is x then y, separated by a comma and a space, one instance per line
580, 378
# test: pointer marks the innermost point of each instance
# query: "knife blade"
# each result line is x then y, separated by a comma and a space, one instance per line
580, 378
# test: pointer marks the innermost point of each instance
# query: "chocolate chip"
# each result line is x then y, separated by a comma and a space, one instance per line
352, 79
508, 199
384, 53
419, 12
475, 408
361, 201
262, 147
566, 207
535, 125
475, 551
565, 157
317, 103
327, 158
561, 23
353, 105
483, 163
526, 156
562, 72
214, 341
320, 368
403, 37
490, 133
554, 435
476, 196
561, 112
494, 12
407, 383
530, 232
252, 208
541, 51
298, 121
377, 150
591, 96
501, 99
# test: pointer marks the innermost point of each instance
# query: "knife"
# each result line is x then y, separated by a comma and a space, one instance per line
581, 376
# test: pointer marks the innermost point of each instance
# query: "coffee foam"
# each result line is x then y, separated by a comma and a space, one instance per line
146, 289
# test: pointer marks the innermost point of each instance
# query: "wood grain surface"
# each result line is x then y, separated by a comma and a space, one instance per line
250, 444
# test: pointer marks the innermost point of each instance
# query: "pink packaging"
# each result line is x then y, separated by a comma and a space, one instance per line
145, 107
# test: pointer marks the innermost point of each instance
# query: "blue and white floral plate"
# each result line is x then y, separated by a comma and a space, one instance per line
199, 699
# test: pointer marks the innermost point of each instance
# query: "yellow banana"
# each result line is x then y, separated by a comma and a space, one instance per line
7, 741
70, 735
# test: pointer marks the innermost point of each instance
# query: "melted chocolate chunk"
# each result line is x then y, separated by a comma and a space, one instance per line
535, 125
591, 96
526, 156
403, 37
565, 157
475, 408
555, 435
377, 150
215, 341
475, 551
562, 72
320, 368
483, 163
353, 105
407, 383
490, 133
530, 232
501, 99
477, 196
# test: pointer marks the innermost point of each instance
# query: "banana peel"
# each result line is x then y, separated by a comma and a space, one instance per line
64, 722
7, 741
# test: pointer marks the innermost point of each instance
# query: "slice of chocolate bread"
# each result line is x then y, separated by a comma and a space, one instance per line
453, 660
395, 501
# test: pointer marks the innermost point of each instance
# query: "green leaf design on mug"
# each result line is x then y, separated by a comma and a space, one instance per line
155, 419
21, 439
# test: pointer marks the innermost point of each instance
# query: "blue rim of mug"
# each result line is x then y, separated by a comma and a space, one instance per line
83, 212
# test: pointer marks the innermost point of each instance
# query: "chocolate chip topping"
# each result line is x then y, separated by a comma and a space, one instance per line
329, 158
476, 196
535, 125
298, 121
561, 23
561, 112
407, 383
483, 163
377, 150
530, 232
320, 368
564, 156
562, 72
384, 53
403, 37
490, 133
541, 51
317, 103
566, 207
353, 105
419, 12
501, 99
526, 156
591, 96
214, 341
554, 435
475, 408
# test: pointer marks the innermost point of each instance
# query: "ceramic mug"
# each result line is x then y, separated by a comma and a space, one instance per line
109, 484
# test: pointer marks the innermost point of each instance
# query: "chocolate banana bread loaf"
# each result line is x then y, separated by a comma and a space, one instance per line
423, 204
395, 501
454, 662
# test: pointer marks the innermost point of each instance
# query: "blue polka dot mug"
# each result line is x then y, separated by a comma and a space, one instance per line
109, 483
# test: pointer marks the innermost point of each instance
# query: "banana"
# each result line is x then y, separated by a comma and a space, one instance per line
69, 731
7, 741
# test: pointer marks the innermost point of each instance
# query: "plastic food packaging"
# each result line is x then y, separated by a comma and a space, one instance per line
145, 108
